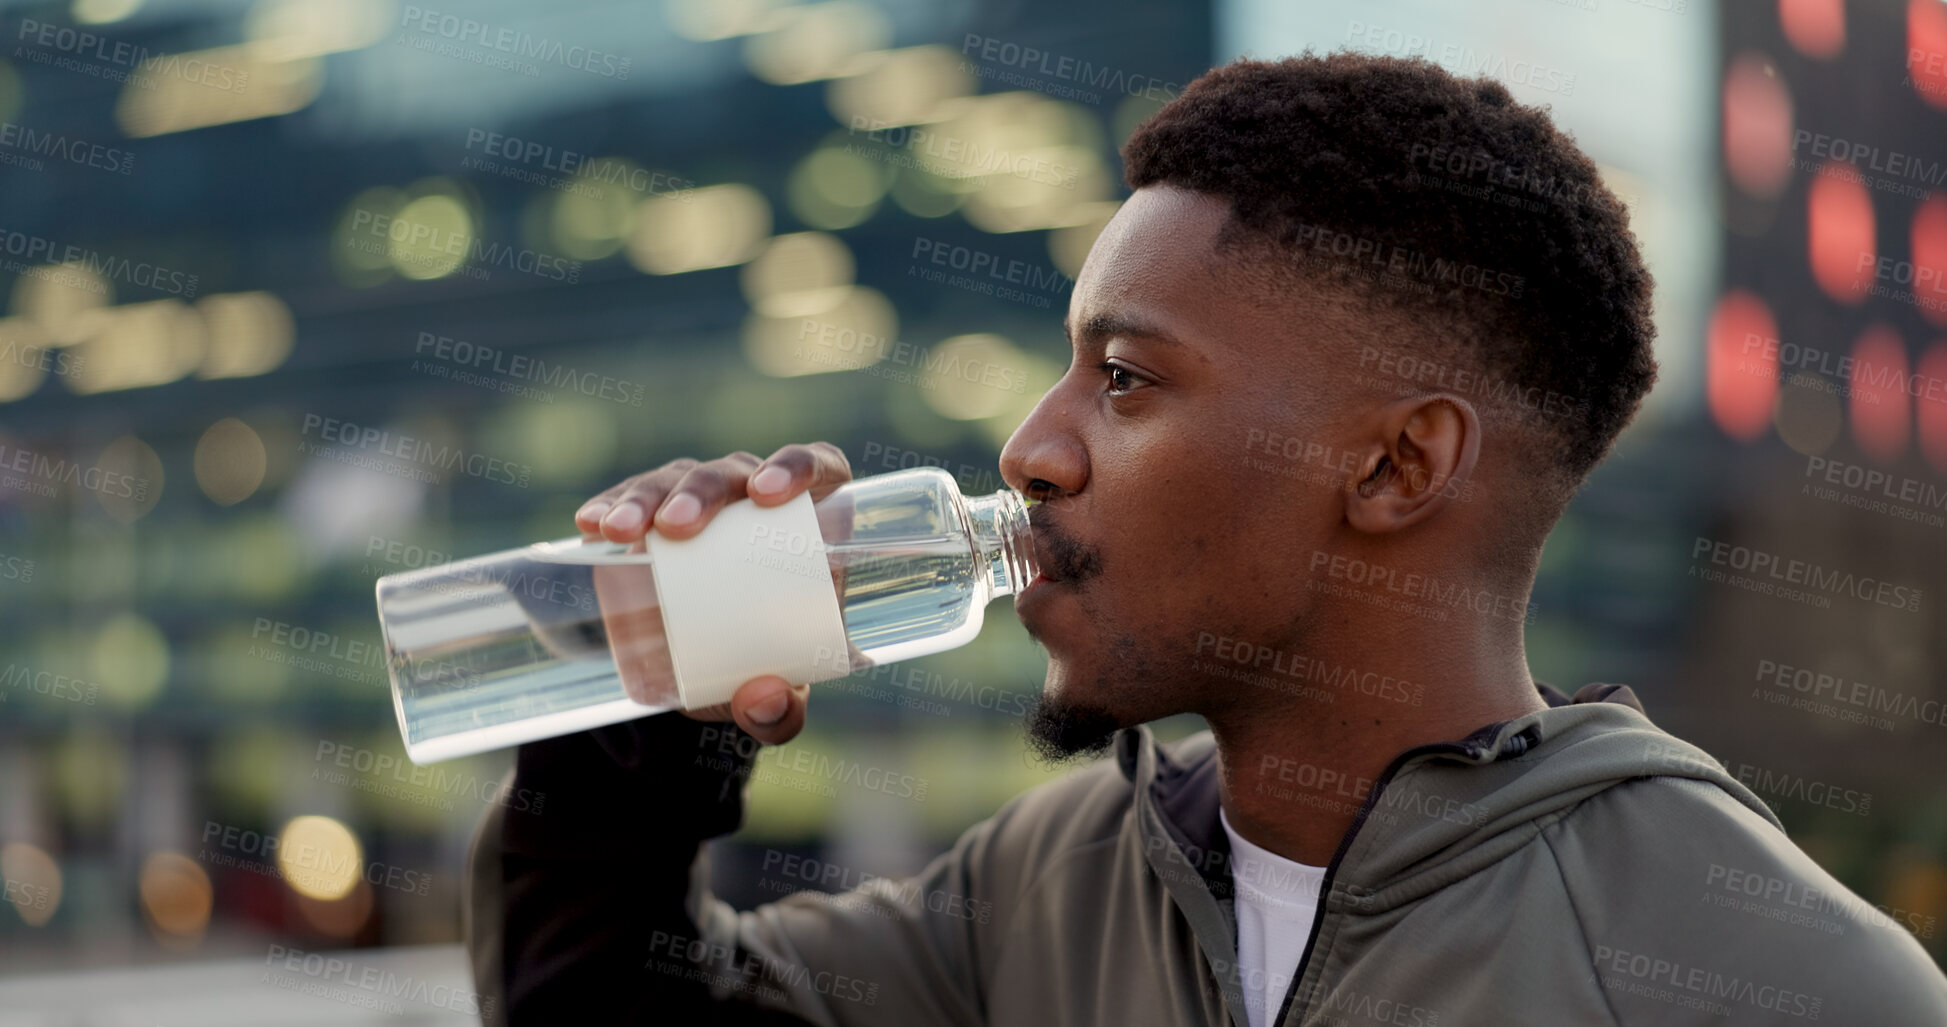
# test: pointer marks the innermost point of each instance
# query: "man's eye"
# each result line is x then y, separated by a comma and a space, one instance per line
1121, 380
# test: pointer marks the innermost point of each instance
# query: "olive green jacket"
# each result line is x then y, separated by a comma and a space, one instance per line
1573, 866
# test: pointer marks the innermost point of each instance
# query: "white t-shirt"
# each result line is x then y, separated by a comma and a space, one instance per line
1276, 898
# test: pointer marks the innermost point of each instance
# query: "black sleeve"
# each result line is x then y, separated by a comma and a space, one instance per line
589, 899
592, 869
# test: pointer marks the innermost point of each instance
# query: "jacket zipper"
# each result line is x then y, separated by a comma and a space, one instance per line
1345, 844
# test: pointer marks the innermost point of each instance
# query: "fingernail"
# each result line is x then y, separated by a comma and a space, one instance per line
681, 510
771, 710
593, 511
625, 517
771, 479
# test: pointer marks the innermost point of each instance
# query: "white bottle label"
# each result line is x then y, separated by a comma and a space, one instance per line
752, 594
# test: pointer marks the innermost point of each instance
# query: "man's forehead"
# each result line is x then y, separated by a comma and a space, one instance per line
1157, 214
1158, 272
1152, 258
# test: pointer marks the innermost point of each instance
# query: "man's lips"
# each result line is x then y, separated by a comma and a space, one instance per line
1047, 555
1060, 558
1046, 579
1032, 597
1044, 565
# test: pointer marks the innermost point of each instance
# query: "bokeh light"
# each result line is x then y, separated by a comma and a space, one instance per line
1816, 27
138, 345
1930, 257
798, 274
709, 20
176, 896
65, 300
1741, 372
430, 237
130, 657
833, 188
33, 882
919, 191
246, 333
972, 376
229, 462
897, 87
593, 217
714, 226
29, 358
1926, 50
1757, 126
1023, 160
130, 479
340, 919
320, 857
359, 251
859, 330
284, 30
102, 12
242, 86
815, 41
1840, 237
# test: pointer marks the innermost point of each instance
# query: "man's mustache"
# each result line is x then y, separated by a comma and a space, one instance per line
1061, 557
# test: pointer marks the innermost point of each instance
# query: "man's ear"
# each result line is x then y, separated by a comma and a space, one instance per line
1421, 452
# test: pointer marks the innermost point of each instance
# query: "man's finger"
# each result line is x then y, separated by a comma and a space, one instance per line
621, 513
818, 466
770, 709
701, 493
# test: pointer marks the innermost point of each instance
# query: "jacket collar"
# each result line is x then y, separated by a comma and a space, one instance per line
1186, 847
1180, 782
1435, 804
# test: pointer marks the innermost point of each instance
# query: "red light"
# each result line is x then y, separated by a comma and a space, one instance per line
1926, 49
1930, 258
1741, 365
1933, 405
1878, 403
1757, 127
1816, 27
1839, 233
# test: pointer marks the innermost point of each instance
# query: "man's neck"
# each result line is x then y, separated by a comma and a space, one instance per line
1294, 773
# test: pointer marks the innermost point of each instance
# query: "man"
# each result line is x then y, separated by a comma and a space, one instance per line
1339, 363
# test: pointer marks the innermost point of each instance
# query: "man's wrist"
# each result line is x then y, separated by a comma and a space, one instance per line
638, 783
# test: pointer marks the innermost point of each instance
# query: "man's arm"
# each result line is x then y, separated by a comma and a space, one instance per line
592, 898
567, 891
1683, 890
592, 905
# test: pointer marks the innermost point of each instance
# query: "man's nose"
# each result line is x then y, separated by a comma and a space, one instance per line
1045, 456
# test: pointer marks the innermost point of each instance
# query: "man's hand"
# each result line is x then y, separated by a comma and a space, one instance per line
678, 499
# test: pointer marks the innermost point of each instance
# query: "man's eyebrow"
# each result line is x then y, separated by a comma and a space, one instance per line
1105, 326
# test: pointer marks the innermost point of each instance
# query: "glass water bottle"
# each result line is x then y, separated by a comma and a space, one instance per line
568, 635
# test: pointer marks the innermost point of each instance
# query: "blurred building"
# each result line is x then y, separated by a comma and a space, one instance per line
301, 293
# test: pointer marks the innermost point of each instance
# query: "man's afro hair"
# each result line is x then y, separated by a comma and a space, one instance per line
1325, 156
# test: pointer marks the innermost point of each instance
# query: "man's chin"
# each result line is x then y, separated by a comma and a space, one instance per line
1060, 730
